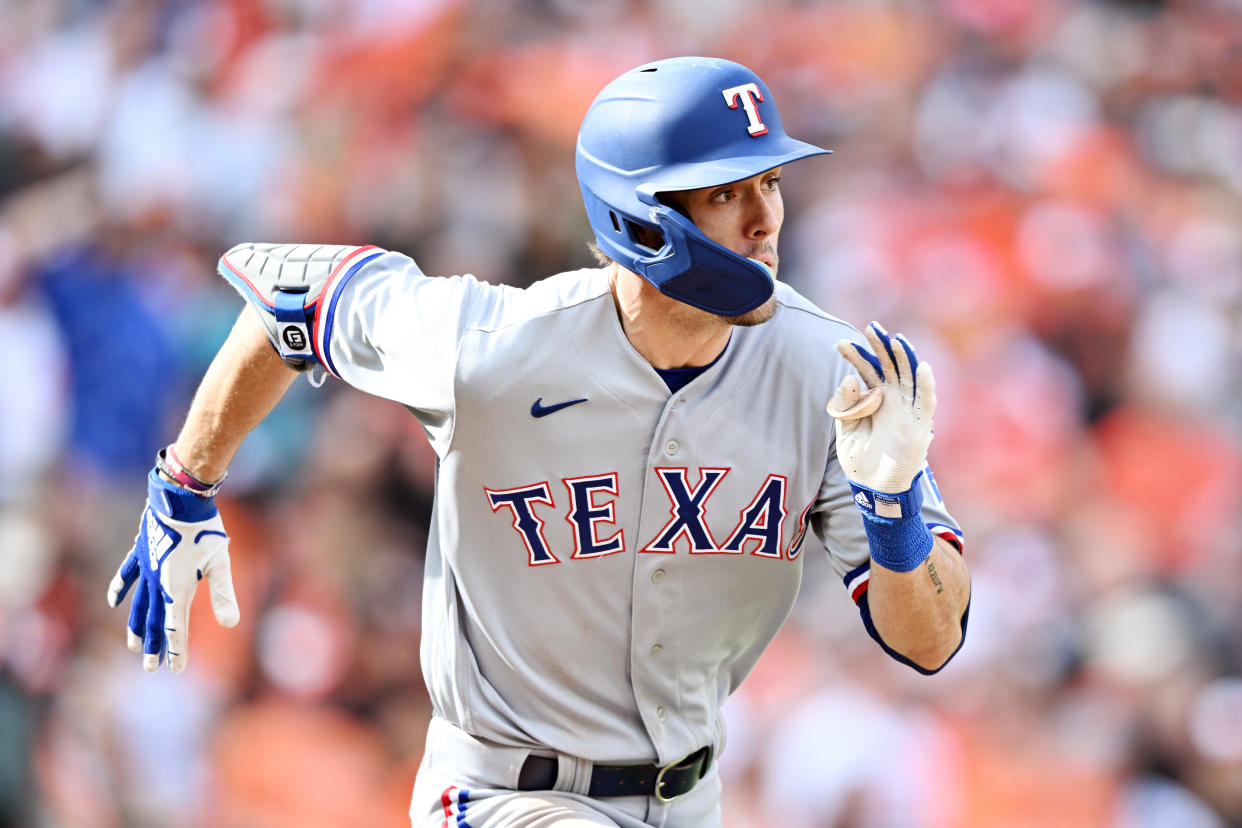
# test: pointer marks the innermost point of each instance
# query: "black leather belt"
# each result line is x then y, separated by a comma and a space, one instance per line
664, 783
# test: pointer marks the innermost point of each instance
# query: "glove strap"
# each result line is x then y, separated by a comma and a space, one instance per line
899, 539
293, 324
176, 502
167, 463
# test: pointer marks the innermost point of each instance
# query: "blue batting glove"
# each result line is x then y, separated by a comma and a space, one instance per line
181, 540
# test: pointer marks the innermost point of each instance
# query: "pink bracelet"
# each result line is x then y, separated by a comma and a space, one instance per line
169, 464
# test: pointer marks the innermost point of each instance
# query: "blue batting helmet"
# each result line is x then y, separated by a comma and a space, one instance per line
680, 124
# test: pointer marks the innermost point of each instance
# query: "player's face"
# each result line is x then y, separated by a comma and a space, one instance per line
745, 217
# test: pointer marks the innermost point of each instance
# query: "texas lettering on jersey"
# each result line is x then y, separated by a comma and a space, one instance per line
760, 524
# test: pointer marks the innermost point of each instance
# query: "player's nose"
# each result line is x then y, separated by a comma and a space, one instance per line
763, 218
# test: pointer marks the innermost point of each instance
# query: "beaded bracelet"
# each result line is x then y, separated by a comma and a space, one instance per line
170, 466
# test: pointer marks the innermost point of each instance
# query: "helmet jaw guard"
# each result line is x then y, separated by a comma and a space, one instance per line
694, 269
680, 124
690, 267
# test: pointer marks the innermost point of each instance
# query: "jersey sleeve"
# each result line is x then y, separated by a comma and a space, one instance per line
387, 329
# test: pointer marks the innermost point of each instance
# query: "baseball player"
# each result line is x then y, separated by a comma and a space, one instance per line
633, 461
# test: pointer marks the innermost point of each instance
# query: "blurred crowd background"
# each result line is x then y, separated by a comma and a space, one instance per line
1044, 195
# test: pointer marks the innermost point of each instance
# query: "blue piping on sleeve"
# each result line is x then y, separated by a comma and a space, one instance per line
331, 309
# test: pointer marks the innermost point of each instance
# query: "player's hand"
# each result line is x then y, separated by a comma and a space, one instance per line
180, 541
884, 429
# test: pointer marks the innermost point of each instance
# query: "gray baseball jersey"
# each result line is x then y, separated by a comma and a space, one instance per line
606, 560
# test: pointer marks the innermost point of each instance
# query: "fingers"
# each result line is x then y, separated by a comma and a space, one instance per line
864, 362
882, 344
124, 578
906, 358
219, 574
925, 400
153, 642
898, 360
851, 403
177, 632
847, 396
138, 618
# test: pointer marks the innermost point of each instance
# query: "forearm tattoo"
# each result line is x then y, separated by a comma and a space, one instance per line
935, 579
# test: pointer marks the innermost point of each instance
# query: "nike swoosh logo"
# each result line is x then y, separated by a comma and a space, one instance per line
537, 409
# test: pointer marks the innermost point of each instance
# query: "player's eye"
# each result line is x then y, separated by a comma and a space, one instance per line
773, 183
723, 196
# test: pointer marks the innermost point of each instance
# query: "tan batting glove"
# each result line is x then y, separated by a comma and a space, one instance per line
885, 428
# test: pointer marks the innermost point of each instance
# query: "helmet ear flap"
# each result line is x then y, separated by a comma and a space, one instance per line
649, 238
618, 235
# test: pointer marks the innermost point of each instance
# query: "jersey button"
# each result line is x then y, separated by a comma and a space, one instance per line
654, 651
671, 447
661, 713
657, 576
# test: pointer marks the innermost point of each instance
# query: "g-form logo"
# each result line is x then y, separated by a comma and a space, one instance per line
749, 96
294, 338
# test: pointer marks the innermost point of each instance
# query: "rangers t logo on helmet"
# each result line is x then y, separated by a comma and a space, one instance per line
750, 97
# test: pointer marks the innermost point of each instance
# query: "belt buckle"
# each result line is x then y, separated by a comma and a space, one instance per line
659, 783
659, 780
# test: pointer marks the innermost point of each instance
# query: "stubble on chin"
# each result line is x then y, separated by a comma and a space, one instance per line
754, 317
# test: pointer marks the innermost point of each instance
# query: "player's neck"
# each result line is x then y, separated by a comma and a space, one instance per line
667, 333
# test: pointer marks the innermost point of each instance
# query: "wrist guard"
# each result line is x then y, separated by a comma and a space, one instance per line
899, 539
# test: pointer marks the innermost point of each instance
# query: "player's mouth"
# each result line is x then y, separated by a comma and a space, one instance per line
766, 253
768, 259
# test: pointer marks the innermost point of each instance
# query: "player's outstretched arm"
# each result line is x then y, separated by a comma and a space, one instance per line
181, 539
919, 585
241, 387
